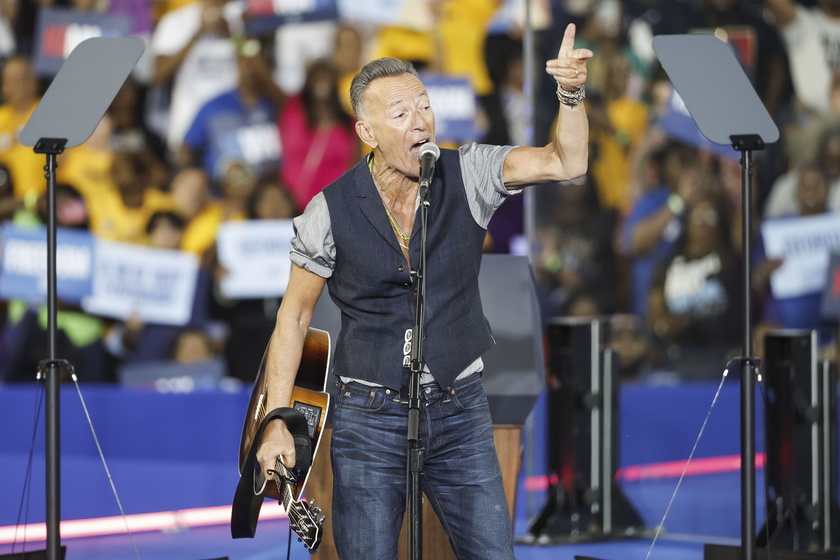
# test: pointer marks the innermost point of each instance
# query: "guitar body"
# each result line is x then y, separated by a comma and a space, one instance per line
309, 397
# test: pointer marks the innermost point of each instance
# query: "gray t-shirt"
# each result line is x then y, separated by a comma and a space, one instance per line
313, 247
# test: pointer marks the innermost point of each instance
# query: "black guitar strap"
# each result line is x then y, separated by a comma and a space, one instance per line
246, 504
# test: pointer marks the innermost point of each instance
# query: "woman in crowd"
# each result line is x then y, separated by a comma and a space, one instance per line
694, 311
319, 142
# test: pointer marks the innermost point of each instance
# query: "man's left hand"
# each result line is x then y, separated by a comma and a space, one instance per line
569, 68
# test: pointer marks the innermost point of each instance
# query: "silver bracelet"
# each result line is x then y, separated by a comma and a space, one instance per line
571, 98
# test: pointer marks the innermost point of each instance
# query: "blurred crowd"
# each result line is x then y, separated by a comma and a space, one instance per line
218, 123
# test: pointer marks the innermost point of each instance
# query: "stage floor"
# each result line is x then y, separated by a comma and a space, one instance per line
167, 453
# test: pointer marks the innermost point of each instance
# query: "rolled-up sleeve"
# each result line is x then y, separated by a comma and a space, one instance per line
313, 247
482, 169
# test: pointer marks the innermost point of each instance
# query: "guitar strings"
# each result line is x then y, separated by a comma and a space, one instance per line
286, 492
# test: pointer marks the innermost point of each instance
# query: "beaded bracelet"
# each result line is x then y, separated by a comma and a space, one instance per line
571, 98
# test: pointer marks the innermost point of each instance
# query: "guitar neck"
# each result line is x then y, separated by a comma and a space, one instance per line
307, 527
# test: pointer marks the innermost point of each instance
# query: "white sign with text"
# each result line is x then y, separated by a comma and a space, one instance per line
254, 255
805, 244
155, 285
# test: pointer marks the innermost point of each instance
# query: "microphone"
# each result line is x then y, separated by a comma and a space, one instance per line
429, 153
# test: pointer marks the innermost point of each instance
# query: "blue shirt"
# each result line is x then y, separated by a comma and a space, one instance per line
645, 266
226, 130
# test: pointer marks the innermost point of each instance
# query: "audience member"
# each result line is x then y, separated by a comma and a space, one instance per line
8, 203
190, 191
756, 43
88, 166
240, 124
193, 51
251, 321
319, 141
193, 346
784, 200
121, 213
804, 311
78, 335
629, 339
448, 38
131, 133
812, 38
575, 248
694, 308
238, 181
347, 57
655, 221
20, 97
619, 121
271, 200
133, 341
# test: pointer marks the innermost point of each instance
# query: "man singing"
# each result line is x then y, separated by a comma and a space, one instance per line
360, 237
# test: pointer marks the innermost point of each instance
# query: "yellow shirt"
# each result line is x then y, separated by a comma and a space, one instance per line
461, 31
111, 219
201, 232
611, 169
86, 169
25, 166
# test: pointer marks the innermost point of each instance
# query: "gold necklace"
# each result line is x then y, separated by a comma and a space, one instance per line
395, 223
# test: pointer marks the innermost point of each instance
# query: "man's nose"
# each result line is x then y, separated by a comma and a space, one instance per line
420, 122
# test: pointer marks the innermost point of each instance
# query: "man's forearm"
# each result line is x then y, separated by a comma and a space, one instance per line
571, 139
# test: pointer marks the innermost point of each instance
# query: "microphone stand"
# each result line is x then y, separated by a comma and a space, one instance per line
416, 452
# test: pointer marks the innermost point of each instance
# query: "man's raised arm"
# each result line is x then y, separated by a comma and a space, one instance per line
566, 156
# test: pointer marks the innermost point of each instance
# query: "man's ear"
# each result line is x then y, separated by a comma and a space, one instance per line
366, 134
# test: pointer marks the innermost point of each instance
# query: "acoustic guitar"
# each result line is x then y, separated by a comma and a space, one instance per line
310, 399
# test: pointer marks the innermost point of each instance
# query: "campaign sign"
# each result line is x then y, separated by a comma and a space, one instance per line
805, 245
155, 285
678, 124
60, 30
268, 15
23, 267
255, 257
454, 104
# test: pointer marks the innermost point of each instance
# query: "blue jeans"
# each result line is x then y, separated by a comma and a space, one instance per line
461, 479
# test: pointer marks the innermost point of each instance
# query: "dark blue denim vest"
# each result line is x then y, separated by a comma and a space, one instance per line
373, 288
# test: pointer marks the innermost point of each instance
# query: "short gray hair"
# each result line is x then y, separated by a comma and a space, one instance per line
379, 68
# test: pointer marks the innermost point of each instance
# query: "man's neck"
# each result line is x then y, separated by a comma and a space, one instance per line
395, 187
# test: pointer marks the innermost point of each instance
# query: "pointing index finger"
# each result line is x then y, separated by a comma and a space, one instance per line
568, 43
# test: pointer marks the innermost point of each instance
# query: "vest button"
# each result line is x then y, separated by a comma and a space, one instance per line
401, 268
414, 292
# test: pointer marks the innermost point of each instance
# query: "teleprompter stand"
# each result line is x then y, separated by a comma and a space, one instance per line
66, 116
727, 111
